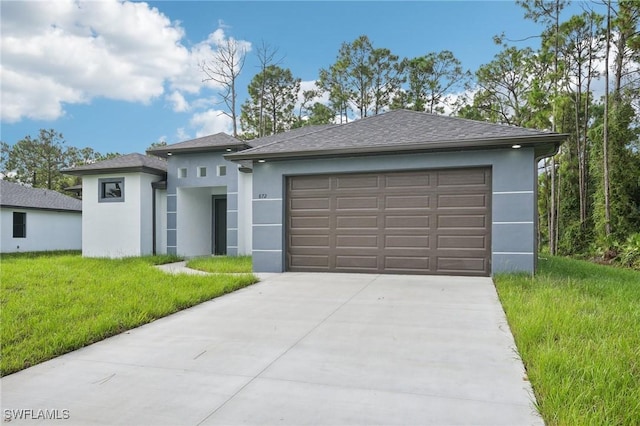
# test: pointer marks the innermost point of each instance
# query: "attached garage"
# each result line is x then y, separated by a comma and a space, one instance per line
413, 222
402, 192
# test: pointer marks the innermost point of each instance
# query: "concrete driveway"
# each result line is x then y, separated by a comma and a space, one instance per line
296, 349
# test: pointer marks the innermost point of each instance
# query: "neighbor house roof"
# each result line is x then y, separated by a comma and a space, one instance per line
20, 196
401, 131
217, 142
124, 164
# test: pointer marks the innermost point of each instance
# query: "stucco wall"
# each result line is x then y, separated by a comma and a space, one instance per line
46, 230
513, 199
118, 229
161, 221
184, 236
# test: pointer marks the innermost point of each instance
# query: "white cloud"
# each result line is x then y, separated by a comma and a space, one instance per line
210, 122
178, 102
182, 135
69, 52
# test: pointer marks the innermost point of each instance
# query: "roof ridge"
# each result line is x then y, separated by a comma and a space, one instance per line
286, 139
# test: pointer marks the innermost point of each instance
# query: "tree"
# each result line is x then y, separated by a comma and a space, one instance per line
430, 79
37, 162
312, 113
362, 77
224, 69
276, 91
266, 57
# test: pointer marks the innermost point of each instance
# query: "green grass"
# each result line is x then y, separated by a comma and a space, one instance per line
222, 264
51, 304
577, 328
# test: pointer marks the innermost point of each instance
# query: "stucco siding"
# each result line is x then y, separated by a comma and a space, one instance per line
118, 229
46, 230
188, 231
513, 183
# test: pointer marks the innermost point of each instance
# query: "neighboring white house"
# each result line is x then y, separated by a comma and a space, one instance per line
36, 219
402, 192
124, 200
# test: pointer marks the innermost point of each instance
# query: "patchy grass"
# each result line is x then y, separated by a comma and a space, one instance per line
222, 264
52, 304
577, 327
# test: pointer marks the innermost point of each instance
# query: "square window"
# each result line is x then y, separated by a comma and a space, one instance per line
222, 170
182, 172
202, 172
111, 190
19, 225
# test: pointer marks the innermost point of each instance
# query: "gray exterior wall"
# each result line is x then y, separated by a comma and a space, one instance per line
210, 160
513, 199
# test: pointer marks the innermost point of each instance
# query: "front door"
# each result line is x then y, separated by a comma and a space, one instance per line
219, 225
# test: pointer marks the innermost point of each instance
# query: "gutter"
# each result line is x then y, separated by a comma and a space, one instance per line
470, 144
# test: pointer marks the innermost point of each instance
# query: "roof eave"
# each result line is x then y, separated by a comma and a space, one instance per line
167, 152
53, 209
472, 144
111, 171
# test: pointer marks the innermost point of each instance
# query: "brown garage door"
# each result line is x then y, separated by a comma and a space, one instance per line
419, 222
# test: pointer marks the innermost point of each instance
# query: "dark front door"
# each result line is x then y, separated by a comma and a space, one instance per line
219, 225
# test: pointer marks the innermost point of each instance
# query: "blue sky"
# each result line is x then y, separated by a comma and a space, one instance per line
117, 76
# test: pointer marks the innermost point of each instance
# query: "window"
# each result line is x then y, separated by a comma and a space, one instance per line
202, 172
222, 170
111, 190
182, 173
19, 225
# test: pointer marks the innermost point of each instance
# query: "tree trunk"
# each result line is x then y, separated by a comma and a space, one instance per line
605, 135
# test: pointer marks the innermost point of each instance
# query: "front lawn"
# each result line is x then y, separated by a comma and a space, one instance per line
221, 264
51, 304
577, 328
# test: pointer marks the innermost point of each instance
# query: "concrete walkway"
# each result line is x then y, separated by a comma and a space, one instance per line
299, 349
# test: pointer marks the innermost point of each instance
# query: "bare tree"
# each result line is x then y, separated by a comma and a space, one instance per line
224, 68
267, 57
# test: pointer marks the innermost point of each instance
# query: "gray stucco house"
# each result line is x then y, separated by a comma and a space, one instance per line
399, 192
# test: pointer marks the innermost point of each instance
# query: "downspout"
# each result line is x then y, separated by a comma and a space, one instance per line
153, 218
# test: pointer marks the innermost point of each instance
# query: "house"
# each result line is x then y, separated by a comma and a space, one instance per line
124, 205
36, 219
399, 192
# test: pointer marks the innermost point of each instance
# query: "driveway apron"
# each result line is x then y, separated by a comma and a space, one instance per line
297, 349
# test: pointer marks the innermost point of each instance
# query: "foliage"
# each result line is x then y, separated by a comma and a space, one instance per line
576, 328
274, 93
38, 162
52, 304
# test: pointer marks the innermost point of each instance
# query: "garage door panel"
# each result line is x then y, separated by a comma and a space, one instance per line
309, 240
463, 177
357, 241
307, 183
357, 182
308, 203
406, 202
422, 222
406, 222
357, 262
406, 241
461, 265
313, 222
458, 221
356, 203
461, 242
413, 180
455, 201
357, 221
401, 263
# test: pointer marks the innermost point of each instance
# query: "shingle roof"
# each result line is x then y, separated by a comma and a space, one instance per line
126, 163
217, 142
278, 137
16, 195
399, 130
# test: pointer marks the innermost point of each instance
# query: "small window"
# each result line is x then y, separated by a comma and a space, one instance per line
182, 173
222, 170
202, 172
111, 190
19, 225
